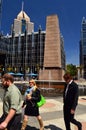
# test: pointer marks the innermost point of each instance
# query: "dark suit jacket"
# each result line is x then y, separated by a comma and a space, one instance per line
71, 98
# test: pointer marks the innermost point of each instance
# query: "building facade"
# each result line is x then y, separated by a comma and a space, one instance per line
24, 52
3, 52
83, 49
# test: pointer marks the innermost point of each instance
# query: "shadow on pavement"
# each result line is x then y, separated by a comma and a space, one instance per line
52, 127
28, 127
31, 128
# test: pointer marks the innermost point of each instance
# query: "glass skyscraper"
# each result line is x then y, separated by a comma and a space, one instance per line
83, 48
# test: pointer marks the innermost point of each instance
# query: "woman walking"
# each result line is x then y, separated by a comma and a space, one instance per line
32, 96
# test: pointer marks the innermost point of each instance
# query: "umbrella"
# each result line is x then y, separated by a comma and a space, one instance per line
19, 74
11, 73
31, 74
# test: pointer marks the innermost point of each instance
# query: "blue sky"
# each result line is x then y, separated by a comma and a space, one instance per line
70, 14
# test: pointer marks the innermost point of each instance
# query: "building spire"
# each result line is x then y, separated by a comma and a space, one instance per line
22, 6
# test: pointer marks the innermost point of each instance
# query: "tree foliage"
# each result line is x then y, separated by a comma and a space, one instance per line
72, 69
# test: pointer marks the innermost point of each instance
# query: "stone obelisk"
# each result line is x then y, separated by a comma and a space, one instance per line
52, 51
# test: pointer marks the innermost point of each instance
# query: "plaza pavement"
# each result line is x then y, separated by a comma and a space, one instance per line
52, 114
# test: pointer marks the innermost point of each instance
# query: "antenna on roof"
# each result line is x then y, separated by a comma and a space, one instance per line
23, 8
22, 5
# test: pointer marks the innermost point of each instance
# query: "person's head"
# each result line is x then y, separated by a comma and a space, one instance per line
67, 77
7, 79
32, 83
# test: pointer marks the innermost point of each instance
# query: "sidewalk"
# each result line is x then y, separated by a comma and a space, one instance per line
52, 114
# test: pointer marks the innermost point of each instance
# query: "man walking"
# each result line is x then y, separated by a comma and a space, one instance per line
70, 99
12, 103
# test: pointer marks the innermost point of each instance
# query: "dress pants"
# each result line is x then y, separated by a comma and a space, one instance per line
69, 118
14, 124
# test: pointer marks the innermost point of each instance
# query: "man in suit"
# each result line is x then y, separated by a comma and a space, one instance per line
70, 100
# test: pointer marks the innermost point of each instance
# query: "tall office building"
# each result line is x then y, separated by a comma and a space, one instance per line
83, 48
21, 23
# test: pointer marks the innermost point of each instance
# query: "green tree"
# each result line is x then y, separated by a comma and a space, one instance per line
72, 69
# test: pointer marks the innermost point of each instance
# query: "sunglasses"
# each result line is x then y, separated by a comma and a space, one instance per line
30, 82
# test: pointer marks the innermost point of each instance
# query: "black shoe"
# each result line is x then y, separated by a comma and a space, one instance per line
80, 127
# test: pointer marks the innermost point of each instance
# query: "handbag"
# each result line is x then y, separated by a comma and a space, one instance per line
41, 102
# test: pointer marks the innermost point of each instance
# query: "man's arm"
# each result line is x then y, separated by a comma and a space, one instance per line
8, 118
76, 94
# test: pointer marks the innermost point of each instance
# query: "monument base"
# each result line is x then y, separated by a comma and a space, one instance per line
51, 74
